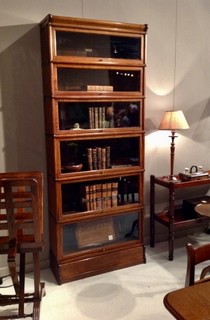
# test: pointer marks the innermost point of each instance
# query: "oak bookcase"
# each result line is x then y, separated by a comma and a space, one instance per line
94, 99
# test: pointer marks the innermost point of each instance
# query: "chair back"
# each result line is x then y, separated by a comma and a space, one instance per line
21, 209
195, 256
21, 232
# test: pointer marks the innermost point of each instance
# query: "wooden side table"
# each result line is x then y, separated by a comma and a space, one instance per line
174, 217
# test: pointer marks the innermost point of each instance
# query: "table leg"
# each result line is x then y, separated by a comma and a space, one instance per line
171, 225
152, 211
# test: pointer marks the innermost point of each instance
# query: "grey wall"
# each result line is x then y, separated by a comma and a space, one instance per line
22, 142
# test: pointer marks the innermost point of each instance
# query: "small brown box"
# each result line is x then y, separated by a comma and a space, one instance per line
94, 233
193, 176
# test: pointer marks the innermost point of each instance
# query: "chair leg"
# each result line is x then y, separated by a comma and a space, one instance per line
37, 304
38, 287
22, 285
13, 269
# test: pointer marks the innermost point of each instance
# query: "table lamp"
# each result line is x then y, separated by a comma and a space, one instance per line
173, 120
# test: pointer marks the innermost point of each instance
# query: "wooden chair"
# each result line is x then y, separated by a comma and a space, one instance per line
195, 256
21, 233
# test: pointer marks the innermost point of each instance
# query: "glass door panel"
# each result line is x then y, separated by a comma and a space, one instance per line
80, 197
100, 154
96, 115
95, 45
93, 80
100, 232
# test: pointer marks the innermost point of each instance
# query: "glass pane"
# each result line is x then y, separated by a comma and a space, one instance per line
70, 79
94, 115
99, 154
89, 196
104, 231
94, 45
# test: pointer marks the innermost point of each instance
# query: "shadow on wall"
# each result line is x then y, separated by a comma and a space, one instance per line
22, 103
21, 109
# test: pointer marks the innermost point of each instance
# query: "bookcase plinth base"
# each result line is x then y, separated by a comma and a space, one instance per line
68, 270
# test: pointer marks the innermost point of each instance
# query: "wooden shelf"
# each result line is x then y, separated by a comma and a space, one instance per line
181, 219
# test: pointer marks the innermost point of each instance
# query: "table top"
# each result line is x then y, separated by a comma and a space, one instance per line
178, 184
203, 209
190, 303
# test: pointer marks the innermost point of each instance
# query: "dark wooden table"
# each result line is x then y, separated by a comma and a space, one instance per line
190, 303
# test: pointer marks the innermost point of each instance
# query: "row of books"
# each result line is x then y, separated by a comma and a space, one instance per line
101, 196
99, 88
98, 158
97, 117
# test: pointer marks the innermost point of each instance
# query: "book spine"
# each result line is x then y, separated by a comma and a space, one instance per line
99, 160
109, 194
103, 192
103, 117
108, 164
91, 118
94, 158
94, 197
96, 117
91, 196
103, 158
87, 198
114, 192
100, 119
98, 197
90, 158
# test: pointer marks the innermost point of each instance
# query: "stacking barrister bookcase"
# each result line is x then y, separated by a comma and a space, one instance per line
94, 99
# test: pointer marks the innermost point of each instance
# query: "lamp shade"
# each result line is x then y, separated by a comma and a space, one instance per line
173, 120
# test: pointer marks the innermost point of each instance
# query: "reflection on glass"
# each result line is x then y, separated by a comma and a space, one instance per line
96, 115
90, 196
93, 45
99, 154
104, 231
70, 79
